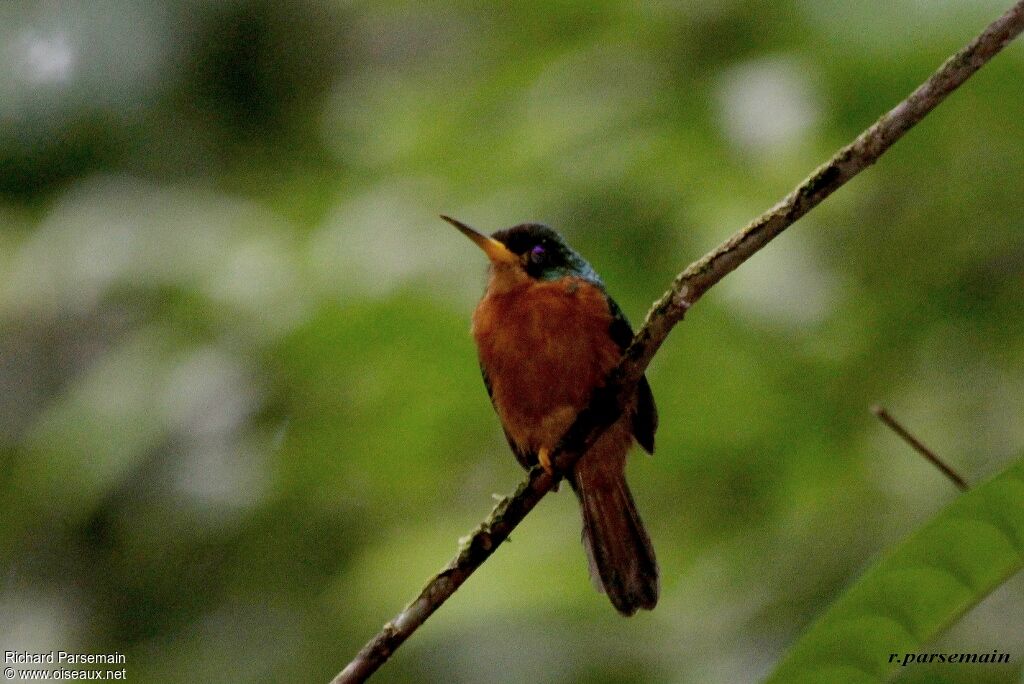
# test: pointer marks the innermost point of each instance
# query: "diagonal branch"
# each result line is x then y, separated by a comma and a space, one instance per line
918, 446
607, 402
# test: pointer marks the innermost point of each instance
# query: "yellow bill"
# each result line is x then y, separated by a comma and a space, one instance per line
495, 251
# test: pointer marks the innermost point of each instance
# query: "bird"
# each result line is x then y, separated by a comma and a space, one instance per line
547, 333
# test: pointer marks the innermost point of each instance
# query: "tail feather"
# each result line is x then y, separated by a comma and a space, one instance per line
622, 562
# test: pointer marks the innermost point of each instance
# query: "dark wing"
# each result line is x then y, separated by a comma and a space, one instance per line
645, 420
525, 460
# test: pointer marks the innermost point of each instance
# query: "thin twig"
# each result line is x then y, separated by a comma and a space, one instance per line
607, 402
919, 447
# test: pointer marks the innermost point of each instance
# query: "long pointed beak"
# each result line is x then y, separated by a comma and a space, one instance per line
495, 251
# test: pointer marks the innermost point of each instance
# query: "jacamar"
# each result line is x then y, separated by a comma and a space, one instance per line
547, 333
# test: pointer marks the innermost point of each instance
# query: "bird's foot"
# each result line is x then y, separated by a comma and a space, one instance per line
544, 458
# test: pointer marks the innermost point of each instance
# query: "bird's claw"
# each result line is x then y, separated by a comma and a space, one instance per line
544, 458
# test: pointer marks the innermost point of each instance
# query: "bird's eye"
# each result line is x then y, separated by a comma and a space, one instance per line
537, 254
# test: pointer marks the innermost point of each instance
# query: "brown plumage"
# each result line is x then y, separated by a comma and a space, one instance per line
546, 338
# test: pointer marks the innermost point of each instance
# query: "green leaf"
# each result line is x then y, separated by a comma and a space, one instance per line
918, 590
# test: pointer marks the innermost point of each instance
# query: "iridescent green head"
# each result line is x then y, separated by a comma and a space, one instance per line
534, 248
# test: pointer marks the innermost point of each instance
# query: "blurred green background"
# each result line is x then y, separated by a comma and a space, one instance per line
241, 420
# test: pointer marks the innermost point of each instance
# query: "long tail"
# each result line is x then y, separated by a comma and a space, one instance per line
622, 562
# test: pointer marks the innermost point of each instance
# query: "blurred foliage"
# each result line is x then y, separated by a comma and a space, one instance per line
240, 415
888, 617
